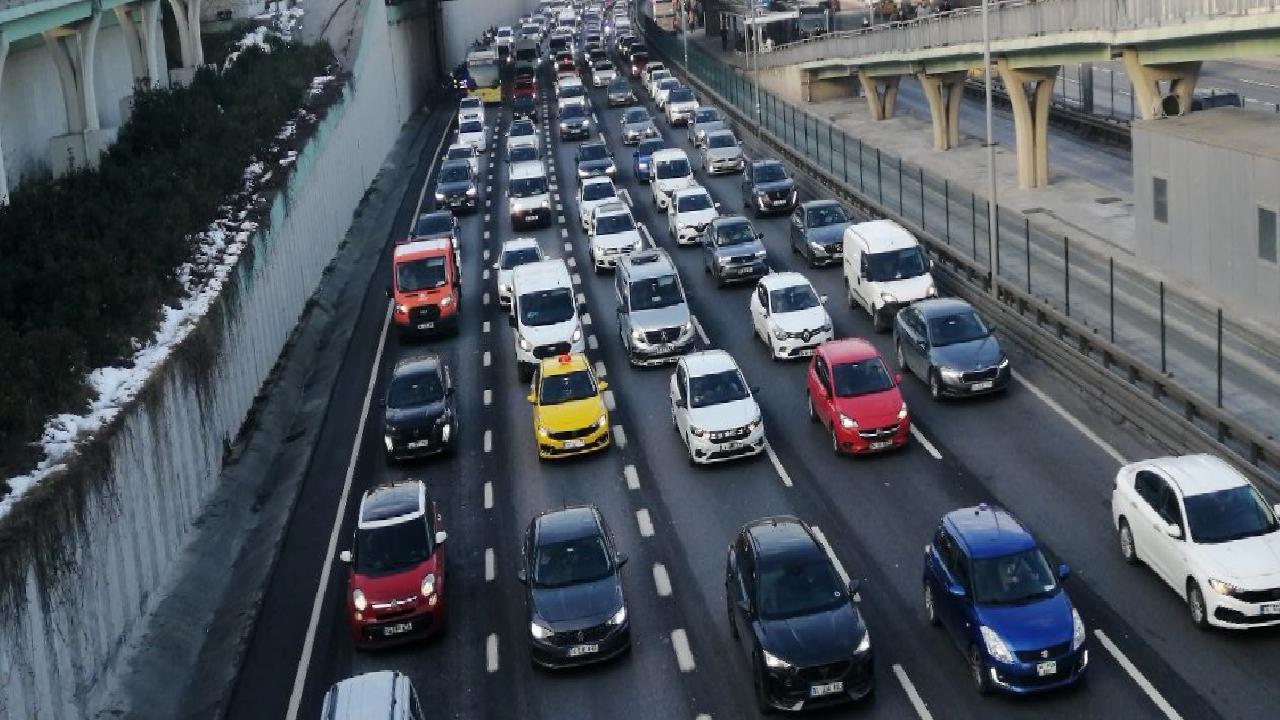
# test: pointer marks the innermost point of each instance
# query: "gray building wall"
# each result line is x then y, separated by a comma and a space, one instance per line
1220, 167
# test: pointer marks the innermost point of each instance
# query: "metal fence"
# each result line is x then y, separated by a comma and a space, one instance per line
1192, 345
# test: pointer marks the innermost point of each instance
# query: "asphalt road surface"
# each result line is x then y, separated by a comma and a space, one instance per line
1040, 450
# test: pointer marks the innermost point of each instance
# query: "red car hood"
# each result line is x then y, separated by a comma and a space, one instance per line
394, 586
872, 410
426, 297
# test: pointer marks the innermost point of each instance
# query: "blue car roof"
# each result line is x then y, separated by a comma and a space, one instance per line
987, 531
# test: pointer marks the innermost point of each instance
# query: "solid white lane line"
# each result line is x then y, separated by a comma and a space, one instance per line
924, 441
488, 397
571, 262
487, 358
488, 441
491, 653
1084, 429
600, 369
609, 401
661, 581
777, 464
912, 694
488, 564
632, 477
619, 436
592, 342
646, 524
1138, 677
488, 495
309, 641
822, 540
701, 333
684, 655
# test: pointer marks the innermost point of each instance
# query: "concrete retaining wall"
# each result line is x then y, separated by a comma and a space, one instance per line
89, 552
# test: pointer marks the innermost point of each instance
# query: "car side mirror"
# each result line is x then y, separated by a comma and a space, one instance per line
1276, 508
956, 590
717, 206
523, 577
680, 403
620, 558
897, 379
1174, 531
854, 585
755, 389
531, 398
345, 556
511, 320
822, 299
1064, 571
603, 385
441, 536
760, 236
389, 293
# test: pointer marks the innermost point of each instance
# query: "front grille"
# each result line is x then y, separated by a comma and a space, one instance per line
1258, 596
979, 375
824, 673
877, 433
666, 335
424, 313
572, 434
393, 608
552, 350
1052, 651
742, 259
779, 194
729, 435
577, 637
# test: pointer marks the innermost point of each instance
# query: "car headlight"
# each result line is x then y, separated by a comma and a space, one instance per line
686, 328
525, 344
1223, 588
932, 291
781, 334
471, 192
696, 431
401, 309
950, 374
643, 166
576, 336
504, 289
543, 431
582, 172
637, 336
864, 645
539, 631
847, 422
358, 600
760, 254
564, 126
995, 645
775, 662
755, 424
1004, 362
902, 412
439, 196
586, 124
546, 204
794, 195
816, 245
428, 587
446, 302
888, 297
826, 327
1077, 630
762, 194
389, 442
602, 420
619, 617
610, 170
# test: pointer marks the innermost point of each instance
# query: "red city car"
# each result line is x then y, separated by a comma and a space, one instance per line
852, 393
525, 87
395, 586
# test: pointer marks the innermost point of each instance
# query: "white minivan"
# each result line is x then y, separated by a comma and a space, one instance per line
671, 171
544, 315
885, 269
380, 694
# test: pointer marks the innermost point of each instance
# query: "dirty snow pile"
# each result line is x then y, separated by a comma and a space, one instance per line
279, 21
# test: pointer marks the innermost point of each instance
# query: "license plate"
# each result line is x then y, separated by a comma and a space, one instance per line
418, 444
1271, 609
779, 203
881, 445
826, 689
580, 650
426, 326
742, 270
397, 629
1048, 667
804, 352
836, 254
573, 444
984, 385
731, 446
660, 349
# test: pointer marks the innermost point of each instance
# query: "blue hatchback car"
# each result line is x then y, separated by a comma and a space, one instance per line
643, 154
989, 585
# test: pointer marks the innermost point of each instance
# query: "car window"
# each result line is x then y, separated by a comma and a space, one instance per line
455, 173
522, 153
598, 191
820, 369
655, 292
824, 215
861, 377
721, 141
519, 256
546, 307
471, 126
414, 390
717, 388
959, 327
592, 152
391, 548
693, 202
799, 587
738, 233
1150, 487
1013, 579
526, 187
675, 168
566, 387
1227, 515
895, 264
433, 223
769, 172
793, 298
571, 562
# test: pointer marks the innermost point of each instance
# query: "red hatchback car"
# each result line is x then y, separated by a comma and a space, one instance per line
395, 587
852, 392
525, 87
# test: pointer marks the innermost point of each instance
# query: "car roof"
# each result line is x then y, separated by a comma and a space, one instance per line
766, 162
611, 207
702, 108
724, 220
669, 154
811, 204
780, 539
429, 362
773, 281
378, 695
463, 146
418, 248
592, 144
519, 243
935, 307
654, 141
547, 274
988, 531
695, 190
568, 523
848, 350
708, 361
562, 364
721, 133
526, 169
394, 502
456, 162
653, 262
1198, 474
882, 235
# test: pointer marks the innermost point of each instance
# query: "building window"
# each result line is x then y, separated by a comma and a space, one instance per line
1160, 199
1267, 234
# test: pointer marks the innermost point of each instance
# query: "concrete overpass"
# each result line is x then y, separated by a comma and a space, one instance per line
1162, 43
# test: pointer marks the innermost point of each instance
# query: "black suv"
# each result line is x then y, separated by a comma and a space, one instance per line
795, 618
767, 188
418, 416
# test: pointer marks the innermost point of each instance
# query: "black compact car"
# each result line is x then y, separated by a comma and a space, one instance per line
524, 106
945, 343
767, 188
593, 160
575, 122
418, 416
796, 619
456, 186
620, 92
436, 225
573, 590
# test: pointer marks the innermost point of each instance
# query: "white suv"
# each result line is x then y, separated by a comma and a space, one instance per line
613, 235
671, 171
544, 315
1208, 533
594, 191
689, 213
713, 410
514, 253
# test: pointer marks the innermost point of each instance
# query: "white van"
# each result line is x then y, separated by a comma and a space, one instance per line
671, 171
382, 694
544, 315
885, 269
529, 194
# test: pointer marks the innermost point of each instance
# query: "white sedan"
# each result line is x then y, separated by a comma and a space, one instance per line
470, 108
523, 132
475, 134
788, 315
460, 151
594, 191
602, 73
689, 213
514, 253
613, 234
713, 409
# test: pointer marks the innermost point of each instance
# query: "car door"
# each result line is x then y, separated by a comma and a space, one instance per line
950, 572
908, 340
920, 350
797, 231
680, 400
1148, 524
823, 402
739, 587
760, 311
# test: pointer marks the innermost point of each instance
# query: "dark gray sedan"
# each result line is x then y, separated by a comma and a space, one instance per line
817, 231
946, 344
637, 125
732, 250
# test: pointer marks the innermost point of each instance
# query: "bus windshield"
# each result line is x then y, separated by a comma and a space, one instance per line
484, 73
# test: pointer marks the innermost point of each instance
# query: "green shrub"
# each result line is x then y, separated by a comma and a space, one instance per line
88, 260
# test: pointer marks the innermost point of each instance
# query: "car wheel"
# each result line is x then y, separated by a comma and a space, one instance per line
813, 414
848, 293
930, 611
878, 323
390, 459
757, 679
525, 374
935, 385
977, 672
835, 442
1195, 605
733, 624
902, 361
1127, 549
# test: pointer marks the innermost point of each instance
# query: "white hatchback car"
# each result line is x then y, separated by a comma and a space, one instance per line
689, 213
459, 151
1207, 532
474, 133
514, 253
523, 132
788, 315
613, 234
713, 409
471, 108
594, 191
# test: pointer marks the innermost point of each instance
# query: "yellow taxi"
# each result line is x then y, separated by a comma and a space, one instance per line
569, 415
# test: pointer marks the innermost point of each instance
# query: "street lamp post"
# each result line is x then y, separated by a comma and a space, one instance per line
684, 33
755, 54
993, 250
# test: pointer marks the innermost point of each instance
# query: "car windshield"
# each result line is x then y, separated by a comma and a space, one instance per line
572, 91
655, 292
637, 58
470, 103
721, 141
1014, 579
717, 388
960, 327
604, 66
391, 548
693, 202
546, 307
527, 187
619, 85
635, 116
523, 128
825, 215
414, 390
420, 274
522, 102
461, 153
649, 147
707, 115
668, 169
1227, 515
519, 256
470, 126
572, 112
571, 562
738, 233
793, 298
860, 378
434, 224
769, 173
668, 84
455, 173
566, 387
522, 153
802, 587
592, 151
614, 224
598, 191
680, 95
895, 265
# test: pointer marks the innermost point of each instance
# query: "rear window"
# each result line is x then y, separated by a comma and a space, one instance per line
721, 141
433, 224
680, 95
598, 191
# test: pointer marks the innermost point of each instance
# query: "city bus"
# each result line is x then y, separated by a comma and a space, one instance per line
486, 76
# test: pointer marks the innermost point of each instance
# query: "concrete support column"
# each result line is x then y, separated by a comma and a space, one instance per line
944, 92
1148, 95
140, 23
4, 182
186, 14
881, 93
1030, 119
74, 51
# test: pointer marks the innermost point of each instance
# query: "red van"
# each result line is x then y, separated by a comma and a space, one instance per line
426, 287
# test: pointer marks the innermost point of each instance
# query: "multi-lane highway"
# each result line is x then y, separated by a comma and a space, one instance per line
1039, 450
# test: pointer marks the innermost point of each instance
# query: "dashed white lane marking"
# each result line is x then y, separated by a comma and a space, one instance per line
1084, 429
620, 436
491, 653
486, 237
486, 250
600, 369
564, 233
486, 298
488, 564
485, 327
488, 441
609, 402
822, 540
632, 477
488, 495
560, 219
684, 655
1141, 680
701, 333
592, 342
488, 397
702, 716
924, 441
568, 247
487, 358
661, 581
912, 694
572, 263
488, 188
576, 278
777, 464
582, 299
559, 208
485, 275
586, 317
646, 524
486, 218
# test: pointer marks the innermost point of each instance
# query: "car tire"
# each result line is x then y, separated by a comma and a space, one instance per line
930, 610
848, 293
878, 324
525, 375
935, 386
733, 624
1128, 550
757, 682
390, 459
773, 351
1196, 606
835, 442
977, 672
902, 361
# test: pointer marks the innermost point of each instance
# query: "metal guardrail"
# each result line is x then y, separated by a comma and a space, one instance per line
1174, 416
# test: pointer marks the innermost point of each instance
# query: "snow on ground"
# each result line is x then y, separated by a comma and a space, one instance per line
278, 21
